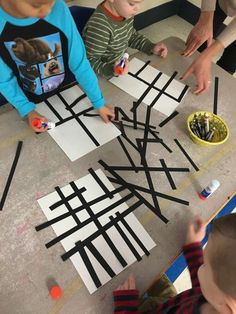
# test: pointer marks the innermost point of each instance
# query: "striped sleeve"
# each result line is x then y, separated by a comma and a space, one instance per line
229, 34
208, 5
126, 301
140, 42
194, 257
97, 34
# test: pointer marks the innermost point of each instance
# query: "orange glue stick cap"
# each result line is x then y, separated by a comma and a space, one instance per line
36, 123
56, 292
119, 70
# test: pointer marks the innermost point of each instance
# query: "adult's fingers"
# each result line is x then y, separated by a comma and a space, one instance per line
187, 73
202, 86
192, 47
209, 41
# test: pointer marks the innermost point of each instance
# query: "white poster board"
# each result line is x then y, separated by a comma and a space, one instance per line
76, 133
90, 226
168, 91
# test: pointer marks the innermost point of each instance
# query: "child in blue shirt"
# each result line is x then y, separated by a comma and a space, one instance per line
39, 46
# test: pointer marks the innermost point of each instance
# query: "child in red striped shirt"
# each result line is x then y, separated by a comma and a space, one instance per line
213, 275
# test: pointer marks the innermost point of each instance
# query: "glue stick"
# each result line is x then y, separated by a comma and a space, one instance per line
209, 190
119, 69
37, 123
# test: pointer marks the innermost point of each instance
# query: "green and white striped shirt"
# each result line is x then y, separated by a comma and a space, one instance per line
107, 39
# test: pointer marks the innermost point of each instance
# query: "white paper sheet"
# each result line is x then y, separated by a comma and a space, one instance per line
135, 87
93, 190
70, 135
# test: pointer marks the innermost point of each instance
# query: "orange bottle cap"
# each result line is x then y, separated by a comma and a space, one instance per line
202, 197
119, 70
36, 123
56, 292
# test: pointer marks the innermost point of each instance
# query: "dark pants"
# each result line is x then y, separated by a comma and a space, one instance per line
228, 59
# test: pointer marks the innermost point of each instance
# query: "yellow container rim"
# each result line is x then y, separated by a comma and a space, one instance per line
201, 141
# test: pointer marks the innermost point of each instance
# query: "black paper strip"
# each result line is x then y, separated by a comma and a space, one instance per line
81, 250
133, 234
142, 68
186, 155
133, 190
126, 239
100, 259
143, 189
168, 175
78, 120
215, 104
75, 102
164, 122
100, 183
126, 153
53, 110
183, 93
138, 168
11, 174
150, 86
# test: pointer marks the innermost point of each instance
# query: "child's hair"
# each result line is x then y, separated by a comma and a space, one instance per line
222, 255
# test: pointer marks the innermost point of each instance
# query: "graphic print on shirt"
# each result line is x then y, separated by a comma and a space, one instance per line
39, 62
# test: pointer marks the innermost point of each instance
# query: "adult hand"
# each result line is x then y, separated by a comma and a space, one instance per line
35, 115
201, 68
196, 230
160, 49
202, 32
129, 284
106, 113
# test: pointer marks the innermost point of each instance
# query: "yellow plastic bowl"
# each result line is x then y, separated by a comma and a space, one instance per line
221, 133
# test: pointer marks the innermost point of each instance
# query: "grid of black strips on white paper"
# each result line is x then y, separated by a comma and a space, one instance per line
73, 115
117, 221
161, 91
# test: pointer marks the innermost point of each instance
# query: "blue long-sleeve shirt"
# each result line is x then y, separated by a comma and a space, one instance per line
37, 55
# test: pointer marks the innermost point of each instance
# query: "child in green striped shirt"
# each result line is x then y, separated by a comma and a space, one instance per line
110, 31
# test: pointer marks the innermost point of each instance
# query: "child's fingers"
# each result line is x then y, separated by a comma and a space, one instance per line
112, 116
132, 284
105, 118
126, 285
164, 52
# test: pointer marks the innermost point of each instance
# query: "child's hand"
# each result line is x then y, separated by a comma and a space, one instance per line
106, 113
160, 50
196, 230
129, 284
35, 115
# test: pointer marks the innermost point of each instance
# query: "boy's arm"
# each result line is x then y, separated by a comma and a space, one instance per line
126, 301
97, 39
11, 90
140, 42
126, 297
194, 257
79, 63
193, 248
